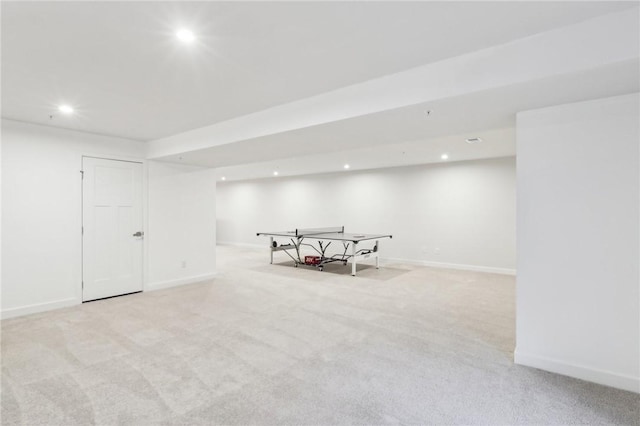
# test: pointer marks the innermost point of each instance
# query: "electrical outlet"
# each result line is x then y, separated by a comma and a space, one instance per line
184, 264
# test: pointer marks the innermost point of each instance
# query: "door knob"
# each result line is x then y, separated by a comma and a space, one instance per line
139, 234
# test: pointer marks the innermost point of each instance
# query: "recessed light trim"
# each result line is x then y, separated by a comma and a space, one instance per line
346, 166
444, 156
224, 178
275, 173
185, 35
473, 140
66, 109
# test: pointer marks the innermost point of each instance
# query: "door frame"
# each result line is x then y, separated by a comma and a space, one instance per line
145, 205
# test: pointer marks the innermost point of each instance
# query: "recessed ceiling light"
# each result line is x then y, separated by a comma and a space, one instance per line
473, 140
445, 156
275, 173
224, 178
346, 166
65, 109
185, 35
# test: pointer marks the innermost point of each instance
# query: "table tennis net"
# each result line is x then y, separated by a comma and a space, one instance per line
316, 231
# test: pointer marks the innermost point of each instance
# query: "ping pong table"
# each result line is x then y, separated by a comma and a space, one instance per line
351, 251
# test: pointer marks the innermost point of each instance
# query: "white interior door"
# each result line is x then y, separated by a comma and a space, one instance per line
112, 238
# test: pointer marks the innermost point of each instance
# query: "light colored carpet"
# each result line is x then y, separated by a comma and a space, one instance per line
272, 344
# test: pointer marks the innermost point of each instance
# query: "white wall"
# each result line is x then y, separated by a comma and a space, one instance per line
456, 214
42, 216
578, 235
182, 224
41, 212
1, 197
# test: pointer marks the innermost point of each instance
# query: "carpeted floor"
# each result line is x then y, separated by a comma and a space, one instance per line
272, 344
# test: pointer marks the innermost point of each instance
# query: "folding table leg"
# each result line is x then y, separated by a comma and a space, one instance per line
353, 259
271, 248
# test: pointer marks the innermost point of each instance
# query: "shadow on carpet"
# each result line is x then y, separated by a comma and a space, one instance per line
364, 271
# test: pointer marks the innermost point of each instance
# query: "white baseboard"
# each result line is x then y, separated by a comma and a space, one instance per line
65, 303
179, 281
247, 245
607, 378
39, 307
459, 266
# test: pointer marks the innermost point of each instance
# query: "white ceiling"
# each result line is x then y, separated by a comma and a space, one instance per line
407, 136
120, 65
495, 143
